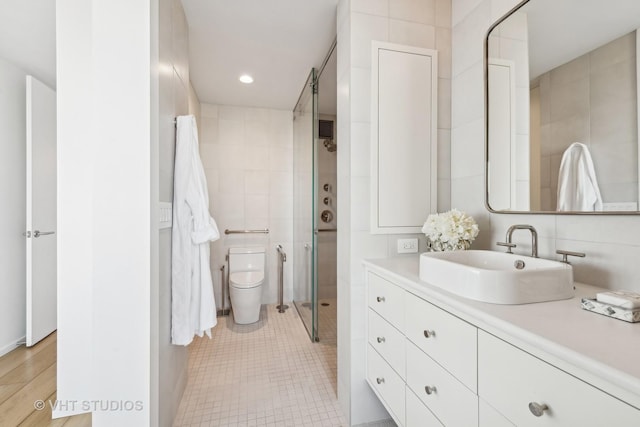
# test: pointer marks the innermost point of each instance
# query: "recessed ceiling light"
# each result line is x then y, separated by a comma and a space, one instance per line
246, 78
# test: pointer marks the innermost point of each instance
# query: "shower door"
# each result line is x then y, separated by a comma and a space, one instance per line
305, 283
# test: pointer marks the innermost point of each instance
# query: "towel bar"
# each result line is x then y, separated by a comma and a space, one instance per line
265, 231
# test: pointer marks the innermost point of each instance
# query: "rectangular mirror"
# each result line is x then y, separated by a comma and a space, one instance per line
562, 108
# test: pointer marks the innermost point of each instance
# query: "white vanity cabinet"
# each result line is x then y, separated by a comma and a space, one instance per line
436, 364
415, 344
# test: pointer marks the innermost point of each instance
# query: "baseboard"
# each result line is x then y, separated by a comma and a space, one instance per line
381, 423
10, 347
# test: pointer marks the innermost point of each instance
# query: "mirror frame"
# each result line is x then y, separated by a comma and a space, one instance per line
486, 136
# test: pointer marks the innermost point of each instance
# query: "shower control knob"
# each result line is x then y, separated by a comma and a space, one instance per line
326, 201
326, 216
327, 187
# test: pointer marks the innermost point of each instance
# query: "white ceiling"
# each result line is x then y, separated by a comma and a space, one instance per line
276, 41
28, 37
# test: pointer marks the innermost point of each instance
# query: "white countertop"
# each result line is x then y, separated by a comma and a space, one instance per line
604, 350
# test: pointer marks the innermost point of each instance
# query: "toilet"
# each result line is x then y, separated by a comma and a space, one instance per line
246, 275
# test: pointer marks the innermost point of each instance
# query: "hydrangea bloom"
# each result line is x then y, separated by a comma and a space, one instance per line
450, 231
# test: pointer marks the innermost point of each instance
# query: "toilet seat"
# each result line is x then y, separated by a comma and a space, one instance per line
246, 279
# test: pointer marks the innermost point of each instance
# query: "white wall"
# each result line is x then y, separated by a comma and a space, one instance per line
174, 98
247, 154
74, 44
423, 24
13, 217
610, 242
105, 249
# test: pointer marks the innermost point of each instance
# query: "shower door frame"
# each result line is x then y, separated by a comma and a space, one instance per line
312, 277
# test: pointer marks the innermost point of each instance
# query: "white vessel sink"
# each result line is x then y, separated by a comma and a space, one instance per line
493, 277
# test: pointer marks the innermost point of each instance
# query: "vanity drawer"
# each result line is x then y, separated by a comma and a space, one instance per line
389, 386
489, 417
419, 415
388, 341
387, 300
512, 380
451, 401
450, 341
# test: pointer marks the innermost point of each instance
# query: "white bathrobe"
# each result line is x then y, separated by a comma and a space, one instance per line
193, 306
577, 184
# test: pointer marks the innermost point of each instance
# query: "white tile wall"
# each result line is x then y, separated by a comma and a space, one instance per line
175, 98
603, 117
247, 155
610, 242
423, 23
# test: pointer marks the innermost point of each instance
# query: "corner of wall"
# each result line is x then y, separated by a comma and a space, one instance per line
421, 24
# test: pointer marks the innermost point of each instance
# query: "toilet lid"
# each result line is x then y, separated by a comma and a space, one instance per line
246, 279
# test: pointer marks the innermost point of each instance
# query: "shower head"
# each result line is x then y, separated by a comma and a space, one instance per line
330, 145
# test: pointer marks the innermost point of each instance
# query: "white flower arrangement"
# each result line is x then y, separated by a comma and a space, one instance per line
450, 231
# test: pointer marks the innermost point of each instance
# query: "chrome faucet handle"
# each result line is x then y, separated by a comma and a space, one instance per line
509, 246
566, 254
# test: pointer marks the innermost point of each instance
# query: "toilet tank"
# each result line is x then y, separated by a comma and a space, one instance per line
246, 259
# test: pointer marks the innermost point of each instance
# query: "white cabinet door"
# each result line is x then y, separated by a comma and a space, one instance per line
502, 150
404, 137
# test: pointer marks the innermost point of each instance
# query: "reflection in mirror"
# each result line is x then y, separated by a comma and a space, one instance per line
562, 107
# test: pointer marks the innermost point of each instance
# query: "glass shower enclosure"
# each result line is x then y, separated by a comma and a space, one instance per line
305, 259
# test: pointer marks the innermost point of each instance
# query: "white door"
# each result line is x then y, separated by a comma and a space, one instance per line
41, 211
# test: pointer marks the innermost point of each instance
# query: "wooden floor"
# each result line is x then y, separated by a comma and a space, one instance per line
26, 376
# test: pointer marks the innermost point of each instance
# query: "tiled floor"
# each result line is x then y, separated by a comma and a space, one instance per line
265, 374
327, 319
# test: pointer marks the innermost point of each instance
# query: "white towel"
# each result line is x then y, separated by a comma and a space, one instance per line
577, 184
193, 309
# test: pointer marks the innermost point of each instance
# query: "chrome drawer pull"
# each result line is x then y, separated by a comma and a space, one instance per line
381, 340
429, 389
537, 409
380, 299
380, 380
429, 334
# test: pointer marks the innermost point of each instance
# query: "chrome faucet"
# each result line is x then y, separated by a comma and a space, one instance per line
534, 237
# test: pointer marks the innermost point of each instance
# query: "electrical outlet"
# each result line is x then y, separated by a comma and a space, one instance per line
407, 246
